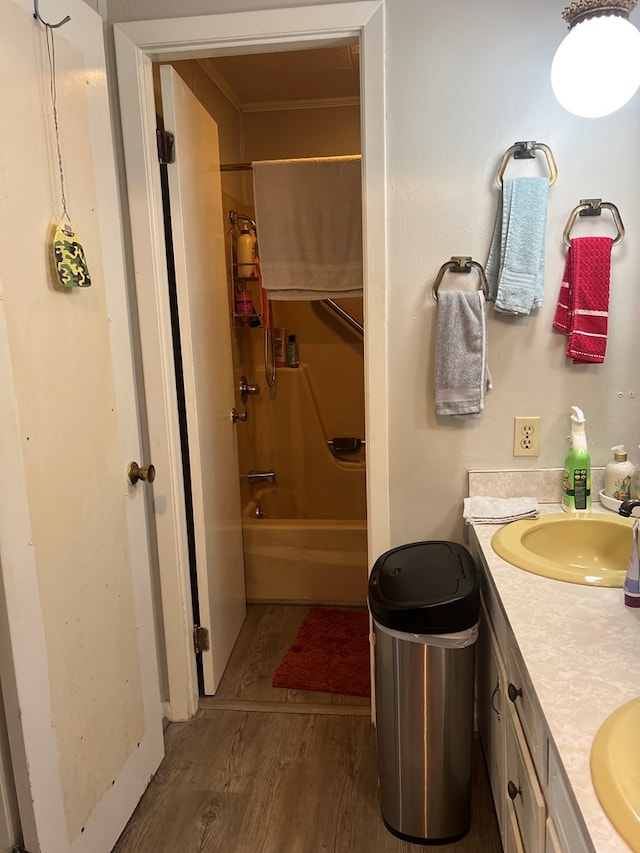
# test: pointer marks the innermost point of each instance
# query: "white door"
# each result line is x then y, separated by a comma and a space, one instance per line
78, 662
203, 309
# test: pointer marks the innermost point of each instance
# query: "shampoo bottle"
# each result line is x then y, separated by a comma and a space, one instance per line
292, 352
618, 475
576, 491
246, 252
280, 346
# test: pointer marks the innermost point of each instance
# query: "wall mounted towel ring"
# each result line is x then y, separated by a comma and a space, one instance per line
527, 151
460, 264
593, 207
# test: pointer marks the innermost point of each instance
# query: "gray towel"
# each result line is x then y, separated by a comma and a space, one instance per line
483, 510
461, 375
515, 267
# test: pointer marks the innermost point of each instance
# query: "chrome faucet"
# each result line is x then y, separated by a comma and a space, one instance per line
628, 506
261, 476
247, 388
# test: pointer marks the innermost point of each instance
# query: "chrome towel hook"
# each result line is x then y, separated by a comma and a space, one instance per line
460, 264
527, 151
593, 207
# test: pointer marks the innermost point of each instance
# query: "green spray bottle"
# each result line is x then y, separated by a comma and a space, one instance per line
576, 486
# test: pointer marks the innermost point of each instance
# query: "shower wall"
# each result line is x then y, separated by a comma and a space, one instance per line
331, 353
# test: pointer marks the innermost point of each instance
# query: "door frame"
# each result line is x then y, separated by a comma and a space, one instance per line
137, 45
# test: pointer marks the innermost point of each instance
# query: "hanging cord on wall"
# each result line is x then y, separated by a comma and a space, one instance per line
68, 254
51, 55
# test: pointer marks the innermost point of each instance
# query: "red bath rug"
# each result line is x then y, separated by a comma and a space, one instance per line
329, 654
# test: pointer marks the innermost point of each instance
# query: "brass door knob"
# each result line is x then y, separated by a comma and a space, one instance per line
135, 473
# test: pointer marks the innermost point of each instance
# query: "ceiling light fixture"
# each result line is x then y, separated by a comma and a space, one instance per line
596, 69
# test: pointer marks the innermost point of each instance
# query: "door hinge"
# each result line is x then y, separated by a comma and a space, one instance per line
166, 147
200, 639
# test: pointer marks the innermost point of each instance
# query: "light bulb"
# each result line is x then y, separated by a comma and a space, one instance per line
596, 69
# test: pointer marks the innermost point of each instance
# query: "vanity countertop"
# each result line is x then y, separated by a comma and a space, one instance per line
581, 647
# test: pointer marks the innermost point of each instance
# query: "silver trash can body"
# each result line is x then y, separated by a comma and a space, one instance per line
424, 732
425, 601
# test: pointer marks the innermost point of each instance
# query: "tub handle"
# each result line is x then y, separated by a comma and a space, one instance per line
345, 445
261, 476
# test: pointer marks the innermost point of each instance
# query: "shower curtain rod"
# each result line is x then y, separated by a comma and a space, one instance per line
246, 167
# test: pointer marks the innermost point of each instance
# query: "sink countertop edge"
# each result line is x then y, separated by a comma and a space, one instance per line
578, 644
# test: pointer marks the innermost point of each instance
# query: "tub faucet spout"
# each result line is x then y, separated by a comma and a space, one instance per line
628, 506
261, 476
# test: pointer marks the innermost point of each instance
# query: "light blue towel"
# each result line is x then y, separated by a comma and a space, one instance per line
515, 267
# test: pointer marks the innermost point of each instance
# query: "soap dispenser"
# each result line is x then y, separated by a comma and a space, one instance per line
576, 483
618, 475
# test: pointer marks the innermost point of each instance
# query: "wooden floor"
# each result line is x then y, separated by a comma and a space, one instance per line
266, 770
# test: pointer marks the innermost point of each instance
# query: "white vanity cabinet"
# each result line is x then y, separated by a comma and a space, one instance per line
533, 805
491, 707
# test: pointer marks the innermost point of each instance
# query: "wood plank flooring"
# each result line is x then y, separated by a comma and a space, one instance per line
262, 770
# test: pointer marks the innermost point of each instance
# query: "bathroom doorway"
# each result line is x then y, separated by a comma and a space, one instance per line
138, 45
304, 528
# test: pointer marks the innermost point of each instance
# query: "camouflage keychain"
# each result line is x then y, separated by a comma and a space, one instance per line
71, 264
68, 254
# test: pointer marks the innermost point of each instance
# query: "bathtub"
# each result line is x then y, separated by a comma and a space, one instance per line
297, 559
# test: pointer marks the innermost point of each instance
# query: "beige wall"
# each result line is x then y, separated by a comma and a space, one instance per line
464, 82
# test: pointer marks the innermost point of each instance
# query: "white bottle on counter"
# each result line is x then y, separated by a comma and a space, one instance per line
618, 475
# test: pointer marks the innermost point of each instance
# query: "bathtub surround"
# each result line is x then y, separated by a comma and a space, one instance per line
311, 543
304, 559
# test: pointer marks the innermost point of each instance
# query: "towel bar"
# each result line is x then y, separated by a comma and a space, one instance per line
460, 264
527, 151
344, 315
593, 207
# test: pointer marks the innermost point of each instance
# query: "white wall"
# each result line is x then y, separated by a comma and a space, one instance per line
464, 82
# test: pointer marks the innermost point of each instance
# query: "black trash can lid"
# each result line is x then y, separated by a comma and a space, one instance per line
425, 588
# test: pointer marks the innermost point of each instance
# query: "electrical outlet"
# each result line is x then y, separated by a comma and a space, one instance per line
526, 436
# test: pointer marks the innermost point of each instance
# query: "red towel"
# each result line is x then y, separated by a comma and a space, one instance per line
583, 303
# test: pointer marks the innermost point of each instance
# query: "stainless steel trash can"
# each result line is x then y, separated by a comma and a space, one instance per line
425, 602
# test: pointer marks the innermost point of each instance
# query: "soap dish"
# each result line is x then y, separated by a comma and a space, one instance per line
614, 505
